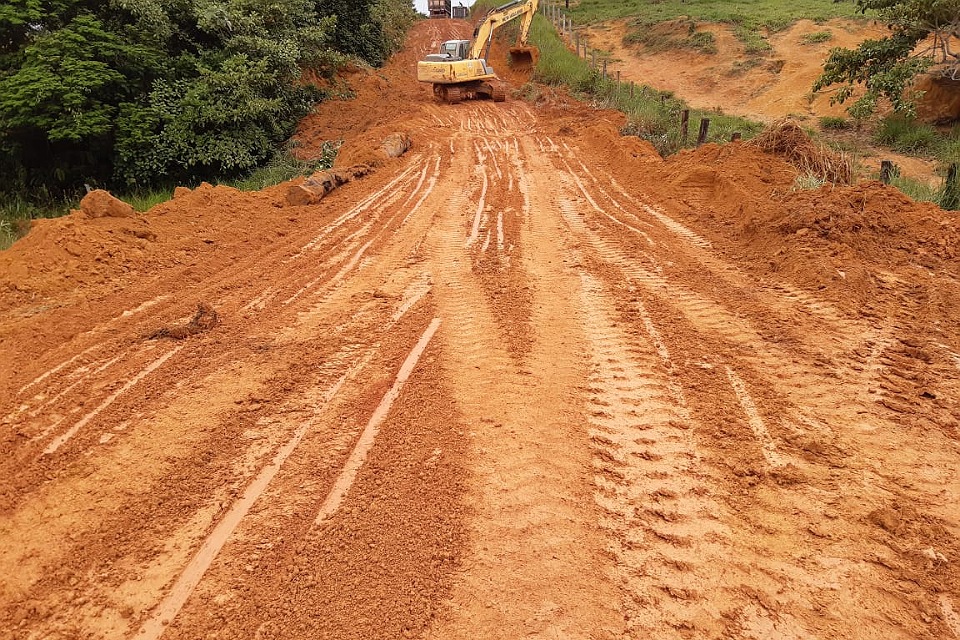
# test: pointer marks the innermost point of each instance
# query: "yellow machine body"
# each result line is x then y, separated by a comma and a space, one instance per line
452, 72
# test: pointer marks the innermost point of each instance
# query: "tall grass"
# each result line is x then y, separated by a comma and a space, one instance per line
907, 135
651, 114
774, 15
16, 214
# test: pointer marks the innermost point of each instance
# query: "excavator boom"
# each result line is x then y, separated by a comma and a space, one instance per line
499, 17
460, 70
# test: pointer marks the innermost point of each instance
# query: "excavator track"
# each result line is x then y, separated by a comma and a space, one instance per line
452, 95
498, 94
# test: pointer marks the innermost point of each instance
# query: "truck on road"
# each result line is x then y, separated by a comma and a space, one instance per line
439, 8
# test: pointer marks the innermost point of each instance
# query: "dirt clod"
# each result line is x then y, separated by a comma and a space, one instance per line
396, 144
100, 204
203, 320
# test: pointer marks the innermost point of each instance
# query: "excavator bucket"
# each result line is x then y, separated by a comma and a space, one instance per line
524, 57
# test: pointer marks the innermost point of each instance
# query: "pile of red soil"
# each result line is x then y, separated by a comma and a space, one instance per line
78, 251
843, 238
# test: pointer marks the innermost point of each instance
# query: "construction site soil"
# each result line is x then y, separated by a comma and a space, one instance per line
527, 380
766, 86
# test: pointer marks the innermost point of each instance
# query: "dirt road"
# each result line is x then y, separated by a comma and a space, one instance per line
516, 383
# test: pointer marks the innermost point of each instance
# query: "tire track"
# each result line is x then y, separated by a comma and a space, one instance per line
669, 532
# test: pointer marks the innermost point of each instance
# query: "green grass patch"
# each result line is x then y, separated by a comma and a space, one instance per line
774, 15
834, 123
918, 190
144, 201
652, 115
907, 135
817, 37
654, 39
754, 43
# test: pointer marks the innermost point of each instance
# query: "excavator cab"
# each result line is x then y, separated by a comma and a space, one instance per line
451, 51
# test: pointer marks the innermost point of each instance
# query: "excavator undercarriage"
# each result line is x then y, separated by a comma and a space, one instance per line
493, 90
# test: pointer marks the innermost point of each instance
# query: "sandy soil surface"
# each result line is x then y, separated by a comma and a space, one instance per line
765, 88
528, 380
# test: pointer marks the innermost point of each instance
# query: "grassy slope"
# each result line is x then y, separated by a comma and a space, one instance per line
750, 18
652, 115
752, 14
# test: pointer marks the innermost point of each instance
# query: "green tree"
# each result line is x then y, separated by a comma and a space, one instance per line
886, 67
143, 92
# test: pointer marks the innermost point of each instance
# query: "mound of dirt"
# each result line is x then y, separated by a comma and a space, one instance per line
86, 250
845, 238
876, 220
730, 181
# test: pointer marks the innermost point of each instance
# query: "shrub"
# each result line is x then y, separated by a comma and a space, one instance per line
906, 135
835, 123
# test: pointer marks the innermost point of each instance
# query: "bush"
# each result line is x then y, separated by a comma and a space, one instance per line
906, 135
835, 123
132, 95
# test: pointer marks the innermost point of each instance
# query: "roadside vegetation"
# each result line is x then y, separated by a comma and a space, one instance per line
654, 39
652, 115
751, 21
137, 96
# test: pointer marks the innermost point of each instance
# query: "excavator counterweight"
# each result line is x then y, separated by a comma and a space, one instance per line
459, 71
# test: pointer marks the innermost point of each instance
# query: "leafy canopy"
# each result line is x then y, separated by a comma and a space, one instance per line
136, 93
886, 67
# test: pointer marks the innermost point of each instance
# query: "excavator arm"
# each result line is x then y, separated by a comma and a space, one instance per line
499, 17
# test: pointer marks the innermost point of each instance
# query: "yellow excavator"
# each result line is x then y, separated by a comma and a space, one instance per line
459, 71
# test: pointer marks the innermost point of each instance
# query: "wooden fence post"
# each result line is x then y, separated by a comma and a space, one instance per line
604, 69
950, 199
886, 171
684, 125
704, 129
593, 59
618, 80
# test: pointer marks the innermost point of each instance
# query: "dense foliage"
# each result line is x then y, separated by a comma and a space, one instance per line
886, 67
133, 93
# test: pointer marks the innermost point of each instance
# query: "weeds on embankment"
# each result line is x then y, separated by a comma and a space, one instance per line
16, 213
751, 21
774, 15
652, 115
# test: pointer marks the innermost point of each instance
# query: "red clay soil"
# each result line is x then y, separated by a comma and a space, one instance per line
527, 380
